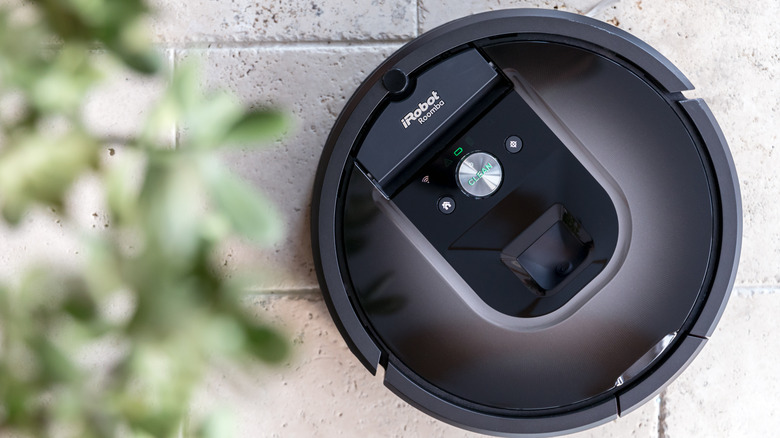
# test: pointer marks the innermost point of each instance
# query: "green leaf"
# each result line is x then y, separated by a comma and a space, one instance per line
41, 168
143, 61
248, 212
258, 126
55, 365
266, 343
79, 304
148, 283
133, 45
171, 205
208, 122
223, 335
104, 275
219, 424
16, 398
185, 85
62, 86
120, 195
64, 20
169, 113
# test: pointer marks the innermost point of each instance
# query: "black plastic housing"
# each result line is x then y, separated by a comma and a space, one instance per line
644, 182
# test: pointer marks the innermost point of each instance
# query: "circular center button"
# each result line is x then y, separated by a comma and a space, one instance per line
479, 174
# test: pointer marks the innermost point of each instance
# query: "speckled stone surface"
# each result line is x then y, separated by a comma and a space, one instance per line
39, 240
186, 21
119, 106
435, 13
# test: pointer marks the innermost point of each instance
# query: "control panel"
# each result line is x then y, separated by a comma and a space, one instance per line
513, 211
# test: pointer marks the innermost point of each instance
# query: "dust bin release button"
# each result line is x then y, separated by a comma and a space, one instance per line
479, 174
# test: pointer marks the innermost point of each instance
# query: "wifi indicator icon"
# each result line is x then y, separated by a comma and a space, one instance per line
426, 179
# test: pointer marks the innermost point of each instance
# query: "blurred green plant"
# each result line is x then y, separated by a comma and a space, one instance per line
158, 255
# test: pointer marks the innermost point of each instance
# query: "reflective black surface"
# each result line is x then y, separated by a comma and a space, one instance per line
554, 256
423, 304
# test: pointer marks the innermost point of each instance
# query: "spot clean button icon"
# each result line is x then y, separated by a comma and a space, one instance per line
479, 174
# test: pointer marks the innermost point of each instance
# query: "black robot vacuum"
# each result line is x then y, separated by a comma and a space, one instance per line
523, 220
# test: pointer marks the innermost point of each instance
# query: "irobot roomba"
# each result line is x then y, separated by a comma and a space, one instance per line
523, 220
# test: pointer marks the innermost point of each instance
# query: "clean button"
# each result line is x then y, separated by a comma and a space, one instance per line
479, 174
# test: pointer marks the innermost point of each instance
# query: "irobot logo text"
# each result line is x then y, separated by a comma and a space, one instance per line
425, 109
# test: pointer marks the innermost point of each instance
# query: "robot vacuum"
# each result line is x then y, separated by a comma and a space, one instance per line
523, 220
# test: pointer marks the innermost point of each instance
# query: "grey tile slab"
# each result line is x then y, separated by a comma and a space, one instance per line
119, 105
323, 391
312, 84
186, 21
731, 389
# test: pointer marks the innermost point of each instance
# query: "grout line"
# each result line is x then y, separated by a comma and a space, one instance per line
215, 45
662, 413
291, 44
301, 291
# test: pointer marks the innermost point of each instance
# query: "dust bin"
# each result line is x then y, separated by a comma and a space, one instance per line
523, 220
